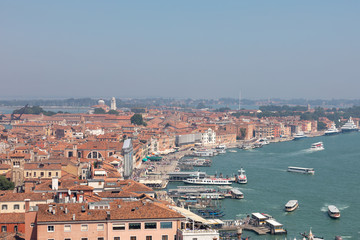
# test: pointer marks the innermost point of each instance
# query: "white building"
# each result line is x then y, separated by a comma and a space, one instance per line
208, 137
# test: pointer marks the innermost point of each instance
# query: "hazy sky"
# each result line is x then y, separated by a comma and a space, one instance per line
199, 49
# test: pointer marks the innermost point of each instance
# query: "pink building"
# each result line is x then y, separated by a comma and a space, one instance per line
118, 220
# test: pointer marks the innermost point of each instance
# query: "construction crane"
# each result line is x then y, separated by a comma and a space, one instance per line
21, 111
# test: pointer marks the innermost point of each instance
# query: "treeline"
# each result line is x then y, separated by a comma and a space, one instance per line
36, 110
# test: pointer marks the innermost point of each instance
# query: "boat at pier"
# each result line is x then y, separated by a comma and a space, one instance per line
299, 135
204, 153
241, 176
301, 170
332, 130
333, 211
349, 126
208, 181
317, 146
291, 205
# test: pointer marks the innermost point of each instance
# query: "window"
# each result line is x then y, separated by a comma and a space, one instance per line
194, 239
51, 239
42, 174
132, 238
4, 207
67, 238
148, 237
84, 227
49, 174
164, 237
100, 227
116, 238
134, 225
57, 174
100, 238
34, 174
16, 206
3, 229
15, 228
51, 228
166, 225
151, 225
67, 228
32, 224
84, 239
119, 226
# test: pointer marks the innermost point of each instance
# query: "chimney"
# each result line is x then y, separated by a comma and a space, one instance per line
82, 208
66, 211
55, 183
27, 205
50, 208
73, 218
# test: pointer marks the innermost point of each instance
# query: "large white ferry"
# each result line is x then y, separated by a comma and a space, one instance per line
241, 176
349, 126
332, 130
208, 181
317, 146
333, 211
301, 170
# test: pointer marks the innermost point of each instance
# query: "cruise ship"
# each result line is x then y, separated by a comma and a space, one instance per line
332, 130
349, 126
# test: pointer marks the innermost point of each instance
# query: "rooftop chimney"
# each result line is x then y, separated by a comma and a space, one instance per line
55, 183
27, 205
73, 218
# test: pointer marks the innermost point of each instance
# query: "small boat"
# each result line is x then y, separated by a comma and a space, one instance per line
317, 146
241, 176
207, 181
301, 170
333, 211
233, 151
291, 205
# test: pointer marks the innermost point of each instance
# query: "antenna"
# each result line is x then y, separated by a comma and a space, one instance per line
239, 100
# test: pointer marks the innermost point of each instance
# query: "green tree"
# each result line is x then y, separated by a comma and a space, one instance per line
321, 126
114, 112
6, 184
137, 119
99, 111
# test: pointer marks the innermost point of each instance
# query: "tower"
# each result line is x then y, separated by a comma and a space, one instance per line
128, 158
113, 104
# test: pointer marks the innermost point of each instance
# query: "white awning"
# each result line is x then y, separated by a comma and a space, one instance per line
188, 214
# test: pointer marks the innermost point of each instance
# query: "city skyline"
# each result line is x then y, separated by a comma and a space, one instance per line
203, 49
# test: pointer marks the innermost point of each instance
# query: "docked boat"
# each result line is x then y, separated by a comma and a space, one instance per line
301, 170
208, 181
233, 151
241, 176
333, 211
291, 205
310, 236
299, 135
204, 153
263, 141
349, 126
332, 130
317, 146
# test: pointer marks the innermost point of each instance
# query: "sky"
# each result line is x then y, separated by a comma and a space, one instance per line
180, 49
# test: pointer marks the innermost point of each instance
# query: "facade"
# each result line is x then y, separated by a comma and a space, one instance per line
208, 137
128, 158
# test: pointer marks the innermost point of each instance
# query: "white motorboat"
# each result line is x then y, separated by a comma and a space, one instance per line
301, 170
333, 211
317, 146
241, 176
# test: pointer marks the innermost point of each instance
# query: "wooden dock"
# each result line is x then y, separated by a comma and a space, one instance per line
247, 227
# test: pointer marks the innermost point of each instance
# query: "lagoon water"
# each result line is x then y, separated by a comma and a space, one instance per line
270, 186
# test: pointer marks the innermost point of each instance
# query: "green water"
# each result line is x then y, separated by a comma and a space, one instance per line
270, 186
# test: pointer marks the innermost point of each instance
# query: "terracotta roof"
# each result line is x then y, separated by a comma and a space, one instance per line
20, 197
12, 218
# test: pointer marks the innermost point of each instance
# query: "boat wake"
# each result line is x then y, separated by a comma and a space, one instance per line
347, 237
339, 206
